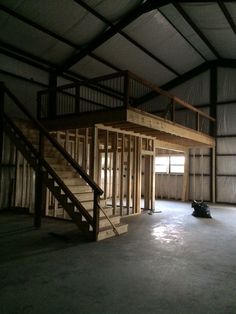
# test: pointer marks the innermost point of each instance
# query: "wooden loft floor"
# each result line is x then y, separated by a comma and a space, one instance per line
111, 102
141, 122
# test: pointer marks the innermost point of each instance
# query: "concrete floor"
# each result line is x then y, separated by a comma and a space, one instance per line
170, 262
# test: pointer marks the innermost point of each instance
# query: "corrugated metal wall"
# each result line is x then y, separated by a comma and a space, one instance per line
226, 136
8, 172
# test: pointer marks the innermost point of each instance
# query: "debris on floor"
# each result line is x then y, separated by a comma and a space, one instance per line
201, 209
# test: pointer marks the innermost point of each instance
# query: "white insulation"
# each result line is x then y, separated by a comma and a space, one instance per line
226, 145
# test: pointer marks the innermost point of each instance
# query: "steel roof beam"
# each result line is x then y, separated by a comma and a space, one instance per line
52, 34
126, 36
105, 36
33, 60
183, 36
187, 18
175, 82
227, 15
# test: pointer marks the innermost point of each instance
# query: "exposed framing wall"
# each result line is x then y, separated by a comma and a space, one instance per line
113, 158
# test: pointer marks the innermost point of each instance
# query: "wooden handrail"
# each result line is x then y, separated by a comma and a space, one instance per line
111, 223
63, 152
168, 95
62, 185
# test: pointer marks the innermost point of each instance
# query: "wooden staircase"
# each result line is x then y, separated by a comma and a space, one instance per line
77, 186
77, 193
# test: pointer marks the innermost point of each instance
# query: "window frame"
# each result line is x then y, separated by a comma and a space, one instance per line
170, 164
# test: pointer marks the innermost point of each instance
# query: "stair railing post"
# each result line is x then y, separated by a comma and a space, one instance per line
96, 214
39, 188
1, 125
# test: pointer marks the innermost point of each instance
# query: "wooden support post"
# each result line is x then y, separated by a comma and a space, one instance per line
39, 190
94, 154
66, 146
138, 175
106, 164
147, 182
1, 124
128, 195
134, 175
153, 178
185, 190
114, 177
76, 145
85, 151
122, 173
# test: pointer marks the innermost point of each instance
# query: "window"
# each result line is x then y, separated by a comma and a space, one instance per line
169, 164
162, 164
177, 164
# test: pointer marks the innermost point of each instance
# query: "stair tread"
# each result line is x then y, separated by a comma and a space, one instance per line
110, 227
108, 232
110, 217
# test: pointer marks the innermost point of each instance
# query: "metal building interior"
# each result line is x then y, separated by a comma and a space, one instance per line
114, 117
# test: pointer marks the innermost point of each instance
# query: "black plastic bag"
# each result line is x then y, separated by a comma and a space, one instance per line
201, 209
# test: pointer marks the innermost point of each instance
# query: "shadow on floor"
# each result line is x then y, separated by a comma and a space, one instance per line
19, 239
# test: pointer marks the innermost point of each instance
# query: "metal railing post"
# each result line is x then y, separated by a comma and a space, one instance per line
197, 121
172, 110
77, 99
1, 124
39, 105
126, 89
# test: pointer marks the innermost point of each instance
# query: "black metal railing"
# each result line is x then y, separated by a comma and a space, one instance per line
121, 89
41, 164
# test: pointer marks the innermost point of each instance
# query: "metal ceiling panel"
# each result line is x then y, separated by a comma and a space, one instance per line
27, 97
29, 39
156, 34
226, 84
126, 56
194, 91
90, 68
112, 11
19, 68
213, 24
65, 18
183, 27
